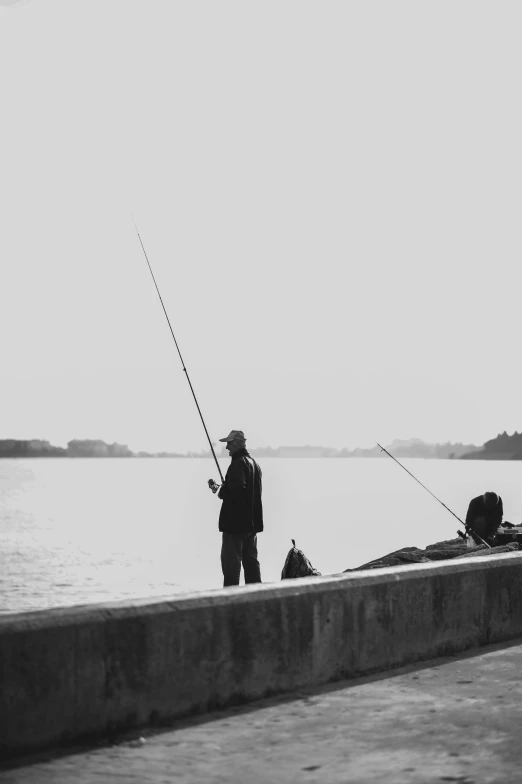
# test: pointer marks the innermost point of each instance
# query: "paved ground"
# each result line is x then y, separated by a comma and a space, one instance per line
450, 720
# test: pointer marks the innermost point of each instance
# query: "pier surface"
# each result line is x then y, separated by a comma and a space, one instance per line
453, 719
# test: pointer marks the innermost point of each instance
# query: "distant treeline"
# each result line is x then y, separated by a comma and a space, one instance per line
503, 447
11, 447
96, 448
413, 447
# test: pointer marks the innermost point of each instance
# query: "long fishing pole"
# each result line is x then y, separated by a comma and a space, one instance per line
466, 527
179, 352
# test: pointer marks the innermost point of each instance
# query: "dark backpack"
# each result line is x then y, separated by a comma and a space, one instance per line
297, 565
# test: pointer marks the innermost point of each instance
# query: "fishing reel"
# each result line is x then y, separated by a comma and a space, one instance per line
213, 485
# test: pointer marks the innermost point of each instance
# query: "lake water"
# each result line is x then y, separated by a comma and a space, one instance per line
80, 531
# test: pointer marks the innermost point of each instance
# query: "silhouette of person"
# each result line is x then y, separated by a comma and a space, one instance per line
241, 515
484, 516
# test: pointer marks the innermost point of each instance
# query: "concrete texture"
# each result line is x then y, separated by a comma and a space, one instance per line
86, 672
452, 720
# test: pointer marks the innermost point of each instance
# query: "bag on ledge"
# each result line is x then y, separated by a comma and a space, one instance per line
297, 565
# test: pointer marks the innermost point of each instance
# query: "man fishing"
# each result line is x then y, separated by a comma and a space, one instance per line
484, 516
471, 511
241, 515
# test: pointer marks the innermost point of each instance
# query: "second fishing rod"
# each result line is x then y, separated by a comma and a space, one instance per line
179, 352
466, 527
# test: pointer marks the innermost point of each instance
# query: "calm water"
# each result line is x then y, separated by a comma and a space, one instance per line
79, 531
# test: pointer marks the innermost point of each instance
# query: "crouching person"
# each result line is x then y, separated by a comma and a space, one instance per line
484, 517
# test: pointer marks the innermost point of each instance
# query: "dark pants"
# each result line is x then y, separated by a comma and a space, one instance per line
484, 529
237, 549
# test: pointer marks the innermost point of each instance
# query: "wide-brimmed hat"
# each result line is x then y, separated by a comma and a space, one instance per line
234, 435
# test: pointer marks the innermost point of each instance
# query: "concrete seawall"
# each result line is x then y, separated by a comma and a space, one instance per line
66, 675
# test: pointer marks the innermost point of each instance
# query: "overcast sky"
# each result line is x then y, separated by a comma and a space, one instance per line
329, 194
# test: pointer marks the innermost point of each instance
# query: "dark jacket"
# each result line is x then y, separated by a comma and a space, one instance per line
484, 521
241, 510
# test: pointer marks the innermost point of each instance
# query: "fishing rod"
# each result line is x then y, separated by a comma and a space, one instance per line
179, 352
466, 527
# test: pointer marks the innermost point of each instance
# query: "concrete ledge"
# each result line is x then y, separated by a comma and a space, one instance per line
80, 672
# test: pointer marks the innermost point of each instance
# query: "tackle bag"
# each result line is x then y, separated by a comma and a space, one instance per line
297, 565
